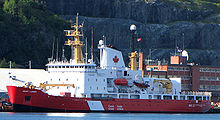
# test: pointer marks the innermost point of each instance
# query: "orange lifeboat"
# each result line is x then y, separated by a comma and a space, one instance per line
122, 81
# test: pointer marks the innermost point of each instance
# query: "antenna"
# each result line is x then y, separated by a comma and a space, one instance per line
176, 47
82, 30
57, 51
52, 49
104, 39
92, 43
63, 55
86, 50
183, 40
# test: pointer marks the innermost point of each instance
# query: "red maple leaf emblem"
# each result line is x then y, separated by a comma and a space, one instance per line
116, 59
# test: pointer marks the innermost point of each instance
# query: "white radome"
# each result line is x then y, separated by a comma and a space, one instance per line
185, 54
132, 27
101, 42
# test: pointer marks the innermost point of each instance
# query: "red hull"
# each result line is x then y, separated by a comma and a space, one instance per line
25, 99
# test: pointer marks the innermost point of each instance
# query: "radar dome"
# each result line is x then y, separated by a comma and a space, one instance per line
185, 54
101, 42
132, 27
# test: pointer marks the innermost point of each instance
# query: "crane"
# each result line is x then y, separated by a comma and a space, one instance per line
44, 85
165, 84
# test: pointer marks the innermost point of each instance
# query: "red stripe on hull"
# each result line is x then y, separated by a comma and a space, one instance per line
153, 105
42, 100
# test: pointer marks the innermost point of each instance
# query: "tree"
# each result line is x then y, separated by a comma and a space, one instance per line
3, 63
13, 65
10, 7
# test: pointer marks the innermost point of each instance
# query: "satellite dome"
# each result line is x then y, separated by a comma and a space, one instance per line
101, 42
132, 27
185, 54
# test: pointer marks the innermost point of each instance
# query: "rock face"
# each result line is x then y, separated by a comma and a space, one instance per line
144, 11
161, 26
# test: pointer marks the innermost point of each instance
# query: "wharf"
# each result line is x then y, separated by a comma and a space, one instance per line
214, 110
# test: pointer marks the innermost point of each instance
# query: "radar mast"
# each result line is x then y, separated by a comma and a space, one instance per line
76, 44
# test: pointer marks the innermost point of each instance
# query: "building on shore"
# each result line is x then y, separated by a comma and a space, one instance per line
193, 77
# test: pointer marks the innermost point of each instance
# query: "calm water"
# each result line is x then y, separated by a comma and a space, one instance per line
105, 116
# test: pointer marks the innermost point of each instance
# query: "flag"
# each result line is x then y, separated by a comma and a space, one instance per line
139, 39
179, 50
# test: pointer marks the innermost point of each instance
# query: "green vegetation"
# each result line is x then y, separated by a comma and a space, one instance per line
197, 4
211, 5
5, 64
27, 30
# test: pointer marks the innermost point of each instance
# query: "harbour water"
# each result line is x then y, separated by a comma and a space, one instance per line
105, 116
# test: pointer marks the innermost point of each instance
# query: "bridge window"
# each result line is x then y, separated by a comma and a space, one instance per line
167, 97
190, 97
175, 97
198, 98
182, 97
157, 97
125, 73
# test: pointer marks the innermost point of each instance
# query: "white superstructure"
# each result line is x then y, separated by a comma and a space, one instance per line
80, 78
84, 79
93, 81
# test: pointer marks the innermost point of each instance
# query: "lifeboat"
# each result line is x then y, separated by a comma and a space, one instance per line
141, 85
122, 81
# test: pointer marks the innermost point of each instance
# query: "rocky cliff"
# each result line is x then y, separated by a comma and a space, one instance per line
162, 25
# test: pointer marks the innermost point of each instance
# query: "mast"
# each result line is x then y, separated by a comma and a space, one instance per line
92, 43
86, 51
76, 44
133, 57
57, 54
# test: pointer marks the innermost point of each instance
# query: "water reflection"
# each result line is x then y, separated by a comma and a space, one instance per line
67, 114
